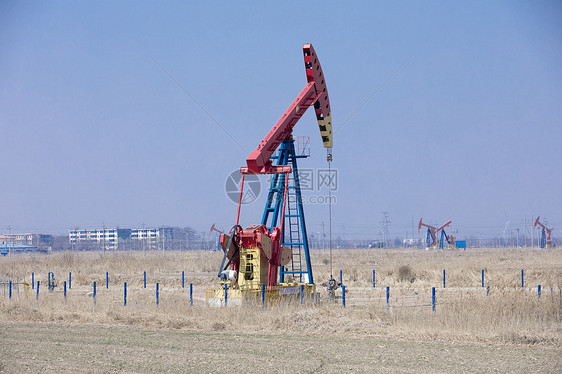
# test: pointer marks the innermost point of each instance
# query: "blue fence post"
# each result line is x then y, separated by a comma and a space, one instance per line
373, 279
32, 280
443, 278
341, 276
106, 279
302, 294
37, 294
10, 291
69, 280
182, 279
387, 295
225, 294
157, 301
94, 292
433, 299
145, 279
487, 290
343, 295
539, 291
522, 279
191, 294
124, 293
65, 290
263, 295
482, 278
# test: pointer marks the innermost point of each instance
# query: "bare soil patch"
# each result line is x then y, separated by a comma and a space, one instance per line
67, 348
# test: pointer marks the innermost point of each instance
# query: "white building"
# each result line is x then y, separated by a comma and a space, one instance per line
34, 239
110, 239
105, 238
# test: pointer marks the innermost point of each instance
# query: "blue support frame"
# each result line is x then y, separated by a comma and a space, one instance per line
428, 239
274, 207
444, 238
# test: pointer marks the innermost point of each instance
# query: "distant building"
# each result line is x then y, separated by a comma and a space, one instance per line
411, 242
153, 238
7, 248
111, 239
104, 238
41, 241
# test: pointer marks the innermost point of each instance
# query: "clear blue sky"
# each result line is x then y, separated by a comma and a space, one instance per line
93, 132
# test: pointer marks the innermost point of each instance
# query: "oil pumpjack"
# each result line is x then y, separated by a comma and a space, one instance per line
431, 237
545, 240
272, 258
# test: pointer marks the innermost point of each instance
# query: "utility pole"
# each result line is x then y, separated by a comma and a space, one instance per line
517, 237
11, 241
532, 234
323, 239
143, 241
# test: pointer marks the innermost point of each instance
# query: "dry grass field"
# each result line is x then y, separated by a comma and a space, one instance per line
508, 329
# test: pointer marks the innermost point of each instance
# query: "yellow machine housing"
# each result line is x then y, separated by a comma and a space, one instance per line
253, 272
254, 269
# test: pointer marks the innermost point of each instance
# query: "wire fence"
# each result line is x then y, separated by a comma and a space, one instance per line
131, 286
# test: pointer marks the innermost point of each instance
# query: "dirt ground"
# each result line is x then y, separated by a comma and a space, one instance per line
66, 348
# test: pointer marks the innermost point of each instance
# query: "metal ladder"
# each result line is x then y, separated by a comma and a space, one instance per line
294, 235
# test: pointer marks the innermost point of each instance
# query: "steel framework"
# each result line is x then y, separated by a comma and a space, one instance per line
294, 234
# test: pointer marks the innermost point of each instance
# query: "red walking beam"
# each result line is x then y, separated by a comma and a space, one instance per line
314, 93
537, 222
420, 224
443, 226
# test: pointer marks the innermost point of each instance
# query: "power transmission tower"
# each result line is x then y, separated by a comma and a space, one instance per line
525, 233
385, 223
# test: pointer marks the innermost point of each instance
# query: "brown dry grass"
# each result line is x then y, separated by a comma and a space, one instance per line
464, 312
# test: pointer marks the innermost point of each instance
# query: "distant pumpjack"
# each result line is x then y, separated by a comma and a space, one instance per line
545, 239
450, 239
431, 238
